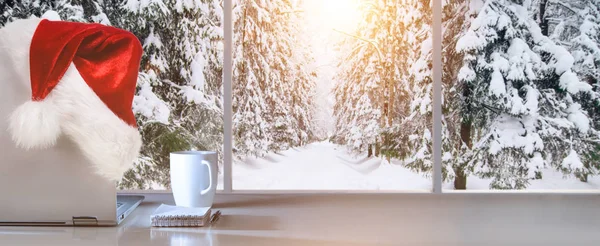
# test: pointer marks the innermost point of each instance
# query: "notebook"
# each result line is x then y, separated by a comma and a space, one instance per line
174, 216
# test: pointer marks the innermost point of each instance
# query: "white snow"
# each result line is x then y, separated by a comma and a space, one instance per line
578, 117
152, 40
532, 100
466, 74
138, 5
470, 41
194, 95
500, 62
510, 132
326, 166
51, 15
197, 69
564, 59
588, 31
497, 86
536, 163
572, 84
518, 107
102, 19
551, 180
149, 105
572, 160
519, 55
323, 166
132, 5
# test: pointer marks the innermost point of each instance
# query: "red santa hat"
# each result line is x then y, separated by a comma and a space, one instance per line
83, 78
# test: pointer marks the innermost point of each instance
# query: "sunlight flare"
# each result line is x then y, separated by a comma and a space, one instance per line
339, 14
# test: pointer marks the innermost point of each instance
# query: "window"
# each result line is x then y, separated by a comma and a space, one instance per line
520, 89
331, 95
343, 95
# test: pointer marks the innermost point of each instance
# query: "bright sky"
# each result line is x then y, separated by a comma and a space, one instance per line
322, 17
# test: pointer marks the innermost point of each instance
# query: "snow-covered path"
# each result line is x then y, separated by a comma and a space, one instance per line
326, 166
321, 166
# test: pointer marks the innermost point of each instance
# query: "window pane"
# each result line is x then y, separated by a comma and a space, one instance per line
179, 91
332, 95
521, 98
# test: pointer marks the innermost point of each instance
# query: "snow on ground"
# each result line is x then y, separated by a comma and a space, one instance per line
326, 166
323, 166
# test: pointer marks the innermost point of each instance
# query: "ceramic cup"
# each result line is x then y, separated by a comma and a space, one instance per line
193, 178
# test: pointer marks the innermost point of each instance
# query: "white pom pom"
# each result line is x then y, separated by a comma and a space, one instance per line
35, 125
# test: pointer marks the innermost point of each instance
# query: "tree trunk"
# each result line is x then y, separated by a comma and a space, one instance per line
460, 181
583, 177
370, 151
377, 149
543, 22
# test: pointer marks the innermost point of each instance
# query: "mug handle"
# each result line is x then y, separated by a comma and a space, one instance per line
203, 192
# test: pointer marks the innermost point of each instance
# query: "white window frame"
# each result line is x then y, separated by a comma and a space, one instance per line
436, 137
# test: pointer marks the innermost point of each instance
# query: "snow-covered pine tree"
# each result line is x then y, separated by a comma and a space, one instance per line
358, 91
384, 88
417, 125
272, 86
411, 131
303, 77
576, 25
179, 90
12, 10
454, 144
250, 70
280, 77
63, 9
586, 46
521, 101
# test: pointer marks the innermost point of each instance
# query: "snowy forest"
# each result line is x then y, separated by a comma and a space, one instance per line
337, 94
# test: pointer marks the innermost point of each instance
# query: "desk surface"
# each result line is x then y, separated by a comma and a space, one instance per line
351, 220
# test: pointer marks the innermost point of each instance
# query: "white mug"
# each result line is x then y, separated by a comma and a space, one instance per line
193, 178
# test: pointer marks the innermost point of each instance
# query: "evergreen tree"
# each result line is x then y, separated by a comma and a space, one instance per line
577, 27
412, 133
456, 138
383, 95
250, 71
301, 74
586, 46
361, 83
179, 92
521, 101
418, 123
70, 10
272, 87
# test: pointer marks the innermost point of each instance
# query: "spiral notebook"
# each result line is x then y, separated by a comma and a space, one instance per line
174, 216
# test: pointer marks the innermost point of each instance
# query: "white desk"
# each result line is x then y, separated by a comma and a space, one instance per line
409, 219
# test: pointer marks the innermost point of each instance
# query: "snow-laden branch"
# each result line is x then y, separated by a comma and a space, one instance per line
566, 5
379, 54
172, 84
291, 11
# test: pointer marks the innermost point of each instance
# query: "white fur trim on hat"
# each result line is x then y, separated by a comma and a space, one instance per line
108, 142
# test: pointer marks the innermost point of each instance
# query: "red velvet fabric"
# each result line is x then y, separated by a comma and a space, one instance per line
107, 58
